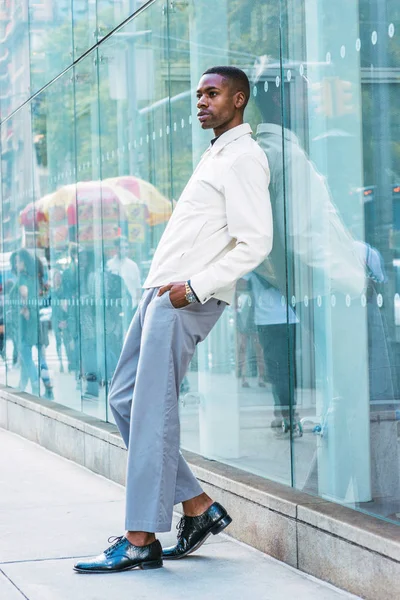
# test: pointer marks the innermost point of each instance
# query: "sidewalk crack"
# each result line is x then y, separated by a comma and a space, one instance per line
14, 584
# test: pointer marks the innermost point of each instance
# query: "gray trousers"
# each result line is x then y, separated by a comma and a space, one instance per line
144, 392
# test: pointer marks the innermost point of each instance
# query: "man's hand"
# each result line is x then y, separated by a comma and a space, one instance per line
177, 293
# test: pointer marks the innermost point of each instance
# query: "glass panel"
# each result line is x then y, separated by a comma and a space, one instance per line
14, 56
94, 19
50, 39
20, 269
341, 181
88, 217
56, 237
235, 399
111, 13
135, 164
84, 26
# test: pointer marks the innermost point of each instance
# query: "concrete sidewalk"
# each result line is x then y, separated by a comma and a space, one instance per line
53, 511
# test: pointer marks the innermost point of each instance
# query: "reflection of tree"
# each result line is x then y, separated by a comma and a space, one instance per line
254, 27
369, 21
96, 112
54, 53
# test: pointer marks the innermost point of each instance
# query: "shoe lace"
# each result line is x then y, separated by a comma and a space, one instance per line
115, 541
181, 526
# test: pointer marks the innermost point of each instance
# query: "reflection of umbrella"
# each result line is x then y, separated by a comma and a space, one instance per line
98, 207
158, 207
33, 213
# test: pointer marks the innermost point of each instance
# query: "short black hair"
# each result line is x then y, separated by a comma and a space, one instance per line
236, 76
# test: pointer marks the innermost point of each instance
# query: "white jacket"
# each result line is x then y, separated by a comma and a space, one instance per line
221, 227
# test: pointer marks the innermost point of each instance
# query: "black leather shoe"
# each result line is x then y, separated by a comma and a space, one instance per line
122, 556
193, 531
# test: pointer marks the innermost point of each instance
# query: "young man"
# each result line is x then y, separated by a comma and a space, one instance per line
220, 230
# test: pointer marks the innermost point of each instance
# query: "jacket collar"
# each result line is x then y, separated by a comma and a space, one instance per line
229, 136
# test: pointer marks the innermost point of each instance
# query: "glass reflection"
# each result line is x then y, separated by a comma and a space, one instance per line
14, 56
331, 104
135, 166
50, 40
228, 400
299, 381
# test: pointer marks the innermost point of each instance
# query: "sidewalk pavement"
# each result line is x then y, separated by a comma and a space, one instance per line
53, 512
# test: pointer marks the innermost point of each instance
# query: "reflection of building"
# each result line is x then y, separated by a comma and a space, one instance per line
77, 109
14, 90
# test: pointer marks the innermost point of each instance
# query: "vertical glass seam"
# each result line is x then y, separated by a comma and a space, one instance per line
169, 104
77, 277
285, 229
102, 278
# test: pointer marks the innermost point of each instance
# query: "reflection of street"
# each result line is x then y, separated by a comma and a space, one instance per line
66, 388
263, 450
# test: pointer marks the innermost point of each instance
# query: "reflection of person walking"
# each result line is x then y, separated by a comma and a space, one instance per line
28, 323
220, 230
127, 269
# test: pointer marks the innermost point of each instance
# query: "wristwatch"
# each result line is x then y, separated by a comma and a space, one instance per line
190, 295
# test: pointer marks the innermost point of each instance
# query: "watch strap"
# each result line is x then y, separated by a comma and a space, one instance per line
195, 295
189, 295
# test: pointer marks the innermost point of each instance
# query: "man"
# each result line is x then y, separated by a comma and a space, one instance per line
127, 269
220, 230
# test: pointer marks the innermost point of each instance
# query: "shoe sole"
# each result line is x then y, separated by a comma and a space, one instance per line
215, 530
152, 564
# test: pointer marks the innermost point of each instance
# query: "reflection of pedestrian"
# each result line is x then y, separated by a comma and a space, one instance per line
12, 313
122, 289
87, 317
274, 330
59, 317
129, 272
315, 262
28, 322
69, 294
246, 332
44, 311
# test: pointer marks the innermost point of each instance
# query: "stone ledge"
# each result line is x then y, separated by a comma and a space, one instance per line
368, 532
361, 529
270, 516
347, 565
58, 412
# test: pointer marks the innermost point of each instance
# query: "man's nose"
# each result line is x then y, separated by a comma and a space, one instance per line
201, 102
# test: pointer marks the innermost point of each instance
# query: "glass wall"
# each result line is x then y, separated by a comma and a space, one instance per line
298, 382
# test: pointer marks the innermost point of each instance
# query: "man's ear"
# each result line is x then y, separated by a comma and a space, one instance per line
240, 100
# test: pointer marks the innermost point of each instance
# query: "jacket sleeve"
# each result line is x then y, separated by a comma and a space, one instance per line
249, 222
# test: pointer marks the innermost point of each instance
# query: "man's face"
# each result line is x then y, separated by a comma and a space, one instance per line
123, 250
217, 102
